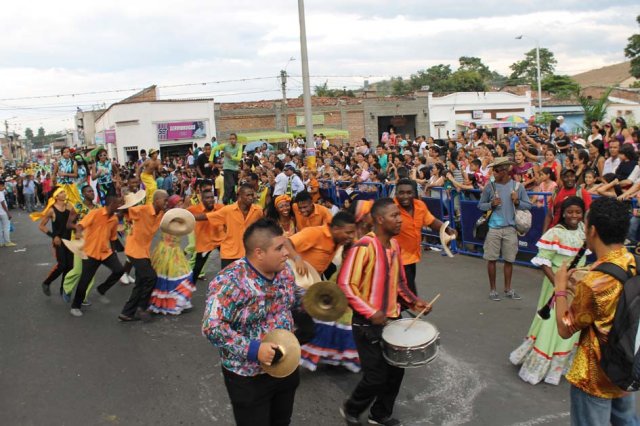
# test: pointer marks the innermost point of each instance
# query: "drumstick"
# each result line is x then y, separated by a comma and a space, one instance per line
423, 311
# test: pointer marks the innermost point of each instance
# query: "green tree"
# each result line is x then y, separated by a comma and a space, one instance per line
594, 109
321, 90
324, 91
562, 85
28, 133
471, 63
632, 51
399, 86
467, 81
525, 70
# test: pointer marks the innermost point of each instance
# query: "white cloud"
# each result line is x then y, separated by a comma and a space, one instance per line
72, 46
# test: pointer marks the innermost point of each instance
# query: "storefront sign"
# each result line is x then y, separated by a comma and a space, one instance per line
477, 114
110, 136
181, 130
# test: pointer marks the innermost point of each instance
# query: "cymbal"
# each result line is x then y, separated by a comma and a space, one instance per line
325, 301
445, 239
289, 347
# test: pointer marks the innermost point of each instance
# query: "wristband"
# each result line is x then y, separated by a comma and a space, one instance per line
50, 234
560, 294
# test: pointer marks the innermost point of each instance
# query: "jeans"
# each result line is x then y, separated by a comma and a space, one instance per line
381, 381
632, 235
5, 223
64, 259
230, 182
30, 202
89, 268
589, 410
146, 278
261, 400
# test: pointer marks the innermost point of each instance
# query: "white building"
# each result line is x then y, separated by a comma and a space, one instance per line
453, 112
144, 122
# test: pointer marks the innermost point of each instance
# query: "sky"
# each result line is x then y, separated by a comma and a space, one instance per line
67, 54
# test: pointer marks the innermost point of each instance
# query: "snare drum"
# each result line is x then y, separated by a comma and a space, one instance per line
410, 348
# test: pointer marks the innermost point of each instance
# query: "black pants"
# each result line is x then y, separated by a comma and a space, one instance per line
64, 259
226, 262
410, 272
146, 278
201, 259
381, 381
261, 400
230, 182
89, 268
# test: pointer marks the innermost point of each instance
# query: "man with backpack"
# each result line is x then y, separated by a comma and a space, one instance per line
603, 312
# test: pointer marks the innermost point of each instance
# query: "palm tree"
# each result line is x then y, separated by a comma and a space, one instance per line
594, 109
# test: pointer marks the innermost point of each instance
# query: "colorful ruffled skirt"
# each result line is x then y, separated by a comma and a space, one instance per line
332, 344
173, 290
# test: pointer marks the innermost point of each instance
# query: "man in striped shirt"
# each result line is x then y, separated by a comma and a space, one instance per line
372, 277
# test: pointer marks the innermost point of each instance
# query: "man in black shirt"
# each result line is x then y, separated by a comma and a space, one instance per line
203, 166
563, 144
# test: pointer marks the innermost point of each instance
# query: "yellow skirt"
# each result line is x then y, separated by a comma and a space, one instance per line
150, 186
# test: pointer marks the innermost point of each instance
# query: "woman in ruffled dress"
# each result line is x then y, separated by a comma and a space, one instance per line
544, 355
174, 287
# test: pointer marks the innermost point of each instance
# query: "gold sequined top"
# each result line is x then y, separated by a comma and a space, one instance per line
591, 313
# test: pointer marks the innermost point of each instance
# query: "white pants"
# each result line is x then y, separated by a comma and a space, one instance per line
4, 228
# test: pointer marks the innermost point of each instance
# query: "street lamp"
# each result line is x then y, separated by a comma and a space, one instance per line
537, 69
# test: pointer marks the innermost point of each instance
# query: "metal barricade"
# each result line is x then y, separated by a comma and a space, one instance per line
442, 208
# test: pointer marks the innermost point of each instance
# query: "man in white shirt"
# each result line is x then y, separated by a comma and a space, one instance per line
288, 181
612, 163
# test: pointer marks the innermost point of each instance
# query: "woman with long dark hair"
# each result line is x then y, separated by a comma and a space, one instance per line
102, 173
544, 355
597, 157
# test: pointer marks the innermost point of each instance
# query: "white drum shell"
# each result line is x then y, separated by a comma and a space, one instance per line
411, 348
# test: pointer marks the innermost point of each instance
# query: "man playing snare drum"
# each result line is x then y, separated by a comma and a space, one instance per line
372, 277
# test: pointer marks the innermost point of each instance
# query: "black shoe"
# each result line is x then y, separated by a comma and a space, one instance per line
351, 420
46, 290
389, 421
125, 318
142, 315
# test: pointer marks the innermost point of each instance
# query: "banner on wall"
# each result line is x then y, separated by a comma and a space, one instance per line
110, 136
181, 130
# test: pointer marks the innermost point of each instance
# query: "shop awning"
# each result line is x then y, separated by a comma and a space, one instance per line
329, 133
269, 136
490, 124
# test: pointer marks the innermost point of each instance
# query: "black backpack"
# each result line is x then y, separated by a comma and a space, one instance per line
620, 358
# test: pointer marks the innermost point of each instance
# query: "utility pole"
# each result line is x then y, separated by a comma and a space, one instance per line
308, 118
283, 82
6, 135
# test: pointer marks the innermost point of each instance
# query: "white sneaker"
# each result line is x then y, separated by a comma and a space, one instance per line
131, 279
124, 280
76, 312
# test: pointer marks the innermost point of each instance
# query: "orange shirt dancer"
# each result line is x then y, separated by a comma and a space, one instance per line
146, 221
309, 214
208, 236
415, 215
98, 228
236, 218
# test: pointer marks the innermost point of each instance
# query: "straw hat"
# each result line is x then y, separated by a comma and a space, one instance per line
178, 222
289, 347
76, 247
445, 238
131, 199
305, 281
501, 161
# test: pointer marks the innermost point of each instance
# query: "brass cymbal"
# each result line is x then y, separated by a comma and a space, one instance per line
325, 301
289, 347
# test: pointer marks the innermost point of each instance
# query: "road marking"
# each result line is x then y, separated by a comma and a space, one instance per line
43, 264
544, 419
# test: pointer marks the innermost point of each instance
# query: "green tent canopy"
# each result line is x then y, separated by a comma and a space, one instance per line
269, 136
329, 133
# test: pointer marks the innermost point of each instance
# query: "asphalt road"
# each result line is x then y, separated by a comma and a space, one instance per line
59, 370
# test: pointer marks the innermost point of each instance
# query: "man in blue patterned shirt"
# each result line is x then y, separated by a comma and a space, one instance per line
249, 298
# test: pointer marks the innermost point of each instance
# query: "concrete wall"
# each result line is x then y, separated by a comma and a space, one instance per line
136, 123
374, 108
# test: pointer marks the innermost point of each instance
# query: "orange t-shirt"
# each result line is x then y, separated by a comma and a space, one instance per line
235, 224
410, 237
145, 225
316, 246
319, 216
208, 236
99, 229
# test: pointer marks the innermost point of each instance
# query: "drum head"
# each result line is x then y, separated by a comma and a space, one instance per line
420, 333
